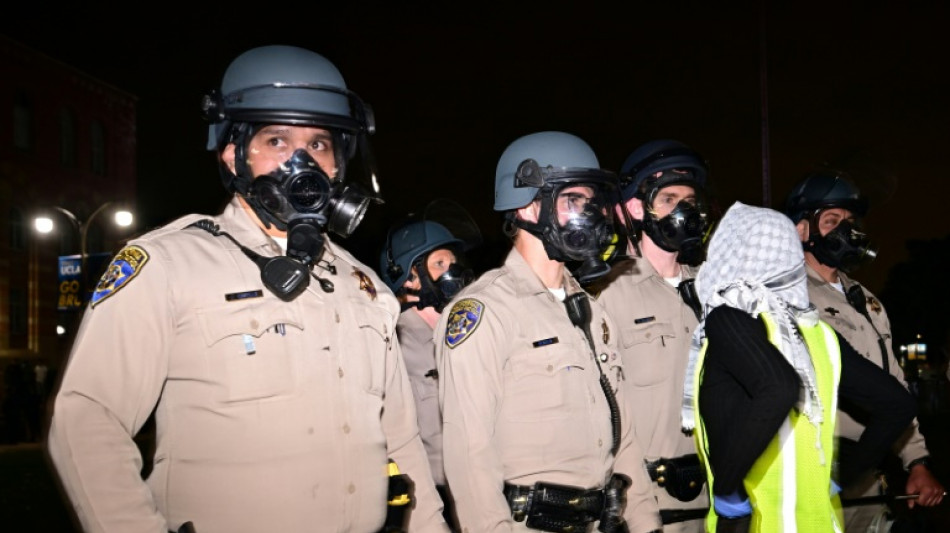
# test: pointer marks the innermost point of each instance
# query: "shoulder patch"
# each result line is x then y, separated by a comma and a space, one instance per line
125, 265
463, 319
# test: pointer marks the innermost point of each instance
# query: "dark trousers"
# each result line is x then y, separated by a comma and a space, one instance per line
448, 508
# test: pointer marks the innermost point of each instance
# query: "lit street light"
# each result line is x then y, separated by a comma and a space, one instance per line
45, 224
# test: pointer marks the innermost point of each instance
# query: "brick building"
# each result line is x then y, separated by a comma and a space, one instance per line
67, 142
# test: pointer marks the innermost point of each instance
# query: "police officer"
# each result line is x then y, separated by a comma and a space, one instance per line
265, 350
424, 265
663, 184
530, 380
826, 207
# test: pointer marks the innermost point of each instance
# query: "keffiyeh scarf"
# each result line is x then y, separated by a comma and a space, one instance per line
755, 264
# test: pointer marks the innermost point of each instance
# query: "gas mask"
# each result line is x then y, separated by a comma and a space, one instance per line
300, 190
439, 292
845, 247
582, 240
685, 228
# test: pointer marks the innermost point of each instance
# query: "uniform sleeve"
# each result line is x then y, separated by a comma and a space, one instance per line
470, 389
887, 404
642, 512
911, 444
405, 444
112, 382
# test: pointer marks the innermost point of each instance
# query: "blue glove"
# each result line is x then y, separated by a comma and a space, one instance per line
732, 505
835, 489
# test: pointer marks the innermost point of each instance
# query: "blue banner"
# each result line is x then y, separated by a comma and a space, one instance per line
71, 279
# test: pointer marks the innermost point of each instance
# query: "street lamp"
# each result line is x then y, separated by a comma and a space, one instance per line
45, 224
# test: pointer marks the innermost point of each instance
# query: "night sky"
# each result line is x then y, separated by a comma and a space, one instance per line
864, 86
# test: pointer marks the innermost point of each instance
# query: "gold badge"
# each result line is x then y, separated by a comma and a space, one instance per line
366, 284
874, 304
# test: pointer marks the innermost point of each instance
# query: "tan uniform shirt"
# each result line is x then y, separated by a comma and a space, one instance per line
655, 331
521, 399
271, 415
418, 350
847, 321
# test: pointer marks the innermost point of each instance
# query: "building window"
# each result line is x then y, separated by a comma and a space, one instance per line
97, 138
17, 313
17, 230
67, 126
23, 122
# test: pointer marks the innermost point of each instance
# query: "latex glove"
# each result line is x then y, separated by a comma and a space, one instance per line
732, 505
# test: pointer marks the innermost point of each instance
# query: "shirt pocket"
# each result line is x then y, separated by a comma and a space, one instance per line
373, 341
647, 356
252, 347
547, 383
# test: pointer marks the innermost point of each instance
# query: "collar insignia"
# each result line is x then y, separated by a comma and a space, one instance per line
366, 284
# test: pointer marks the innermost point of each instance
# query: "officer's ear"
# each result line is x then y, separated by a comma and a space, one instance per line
529, 213
227, 157
635, 208
412, 280
802, 228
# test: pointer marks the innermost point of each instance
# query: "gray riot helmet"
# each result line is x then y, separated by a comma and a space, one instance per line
409, 246
550, 149
540, 166
289, 85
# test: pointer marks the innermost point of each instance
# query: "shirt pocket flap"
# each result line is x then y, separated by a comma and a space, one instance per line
645, 333
549, 359
247, 319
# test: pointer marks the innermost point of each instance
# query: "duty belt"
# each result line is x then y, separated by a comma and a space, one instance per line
566, 509
552, 507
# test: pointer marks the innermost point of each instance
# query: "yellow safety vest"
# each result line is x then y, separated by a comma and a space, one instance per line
789, 486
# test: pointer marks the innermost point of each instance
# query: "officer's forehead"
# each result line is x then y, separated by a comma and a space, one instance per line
677, 188
290, 129
836, 212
